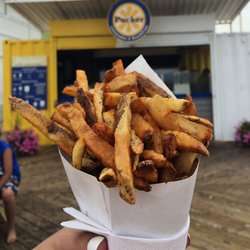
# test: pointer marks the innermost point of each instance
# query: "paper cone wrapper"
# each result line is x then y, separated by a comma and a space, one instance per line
162, 213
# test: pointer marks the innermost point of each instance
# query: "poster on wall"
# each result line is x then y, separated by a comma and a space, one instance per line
29, 80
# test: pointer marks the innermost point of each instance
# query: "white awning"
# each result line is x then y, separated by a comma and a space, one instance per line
40, 12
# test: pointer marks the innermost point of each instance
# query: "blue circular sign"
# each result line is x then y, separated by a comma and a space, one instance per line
129, 20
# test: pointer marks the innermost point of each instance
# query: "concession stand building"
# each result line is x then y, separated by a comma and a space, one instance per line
180, 44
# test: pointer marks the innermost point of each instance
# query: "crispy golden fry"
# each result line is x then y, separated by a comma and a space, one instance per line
136, 143
122, 150
61, 138
158, 159
191, 109
32, 115
60, 119
87, 105
170, 146
98, 101
149, 88
187, 143
168, 173
82, 80
199, 120
99, 147
157, 140
147, 171
109, 118
178, 122
117, 70
43, 124
78, 152
123, 83
111, 99
142, 128
141, 184
70, 90
104, 131
108, 177
159, 107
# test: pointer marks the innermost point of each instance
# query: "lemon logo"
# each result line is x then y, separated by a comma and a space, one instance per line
129, 20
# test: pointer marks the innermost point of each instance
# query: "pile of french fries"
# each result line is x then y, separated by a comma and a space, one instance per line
126, 131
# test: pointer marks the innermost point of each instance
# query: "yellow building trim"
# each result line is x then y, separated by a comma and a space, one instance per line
85, 43
79, 28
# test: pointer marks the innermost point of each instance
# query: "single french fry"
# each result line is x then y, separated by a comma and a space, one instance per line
77, 153
32, 115
104, 131
147, 171
70, 90
98, 101
111, 99
82, 80
123, 83
109, 118
142, 128
178, 122
187, 143
158, 159
199, 120
136, 144
117, 70
149, 88
157, 140
108, 177
87, 105
122, 150
159, 107
141, 184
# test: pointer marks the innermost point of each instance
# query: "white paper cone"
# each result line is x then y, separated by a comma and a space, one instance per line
162, 213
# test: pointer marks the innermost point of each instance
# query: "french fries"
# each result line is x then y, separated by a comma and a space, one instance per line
122, 150
142, 128
98, 101
78, 152
117, 70
82, 80
136, 143
186, 142
126, 131
109, 118
122, 83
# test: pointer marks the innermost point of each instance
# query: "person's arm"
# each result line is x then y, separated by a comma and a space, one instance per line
7, 164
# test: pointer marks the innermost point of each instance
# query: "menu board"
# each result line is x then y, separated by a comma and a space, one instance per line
29, 80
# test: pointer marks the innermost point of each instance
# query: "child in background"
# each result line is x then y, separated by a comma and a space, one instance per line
9, 181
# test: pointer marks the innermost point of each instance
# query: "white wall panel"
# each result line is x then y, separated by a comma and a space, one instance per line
231, 83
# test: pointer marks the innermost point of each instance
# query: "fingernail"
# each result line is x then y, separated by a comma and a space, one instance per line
94, 243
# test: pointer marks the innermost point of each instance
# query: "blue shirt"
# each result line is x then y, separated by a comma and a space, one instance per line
15, 166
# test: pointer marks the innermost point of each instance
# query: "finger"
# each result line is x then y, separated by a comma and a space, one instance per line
97, 243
